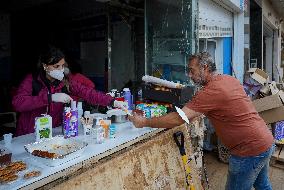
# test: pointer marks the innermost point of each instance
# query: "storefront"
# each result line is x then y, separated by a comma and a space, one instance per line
221, 34
117, 42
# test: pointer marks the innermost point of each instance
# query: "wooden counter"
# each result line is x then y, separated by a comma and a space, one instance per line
136, 159
151, 161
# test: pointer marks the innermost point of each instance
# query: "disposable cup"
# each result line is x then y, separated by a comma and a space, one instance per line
8, 139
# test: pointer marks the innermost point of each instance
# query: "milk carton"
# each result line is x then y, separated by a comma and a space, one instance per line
43, 127
70, 121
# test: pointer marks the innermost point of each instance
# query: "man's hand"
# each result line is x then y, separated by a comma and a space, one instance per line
120, 104
61, 97
138, 120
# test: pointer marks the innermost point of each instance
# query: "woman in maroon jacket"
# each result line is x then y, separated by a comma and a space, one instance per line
47, 91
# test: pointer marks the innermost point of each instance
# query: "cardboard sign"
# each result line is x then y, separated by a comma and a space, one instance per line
279, 132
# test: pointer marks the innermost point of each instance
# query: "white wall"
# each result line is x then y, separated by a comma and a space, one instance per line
268, 58
238, 47
212, 14
270, 15
226, 18
232, 5
277, 70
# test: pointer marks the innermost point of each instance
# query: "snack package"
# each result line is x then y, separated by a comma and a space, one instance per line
43, 127
152, 110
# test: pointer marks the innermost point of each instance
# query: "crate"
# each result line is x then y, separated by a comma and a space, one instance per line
173, 96
278, 161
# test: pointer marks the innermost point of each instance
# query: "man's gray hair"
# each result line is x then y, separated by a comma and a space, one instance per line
204, 58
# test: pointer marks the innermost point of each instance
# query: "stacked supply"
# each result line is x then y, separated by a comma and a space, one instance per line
152, 110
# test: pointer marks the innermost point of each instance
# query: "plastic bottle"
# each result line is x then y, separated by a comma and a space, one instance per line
74, 120
99, 133
112, 131
66, 121
80, 113
139, 94
128, 97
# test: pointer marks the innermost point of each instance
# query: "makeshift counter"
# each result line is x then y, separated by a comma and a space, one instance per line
136, 159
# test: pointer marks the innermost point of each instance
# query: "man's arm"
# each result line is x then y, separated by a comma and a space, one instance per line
167, 121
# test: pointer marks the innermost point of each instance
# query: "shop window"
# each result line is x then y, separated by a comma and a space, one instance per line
170, 37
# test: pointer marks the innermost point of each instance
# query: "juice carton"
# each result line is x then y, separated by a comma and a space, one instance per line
43, 127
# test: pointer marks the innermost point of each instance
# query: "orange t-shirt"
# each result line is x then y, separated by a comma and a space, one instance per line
238, 125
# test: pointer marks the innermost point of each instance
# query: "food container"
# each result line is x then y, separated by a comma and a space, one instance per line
118, 118
64, 149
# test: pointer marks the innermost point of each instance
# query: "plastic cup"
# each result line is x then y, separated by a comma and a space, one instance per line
8, 139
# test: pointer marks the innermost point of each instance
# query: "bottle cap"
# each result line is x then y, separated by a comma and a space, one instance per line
126, 89
79, 106
87, 113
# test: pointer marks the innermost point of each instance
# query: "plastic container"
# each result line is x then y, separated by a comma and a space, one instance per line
112, 131
98, 133
43, 127
128, 97
74, 119
7, 139
80, 113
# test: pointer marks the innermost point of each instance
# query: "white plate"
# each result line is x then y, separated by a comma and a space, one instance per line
67, 149
182, 115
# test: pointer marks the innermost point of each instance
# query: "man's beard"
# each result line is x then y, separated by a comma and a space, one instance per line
200, 82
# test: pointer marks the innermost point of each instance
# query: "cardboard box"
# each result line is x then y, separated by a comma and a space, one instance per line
258, 75
270, 108
267, 103
273, 115
281, 95
273, 88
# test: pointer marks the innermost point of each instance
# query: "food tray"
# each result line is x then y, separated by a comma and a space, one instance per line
65, 149
21, 180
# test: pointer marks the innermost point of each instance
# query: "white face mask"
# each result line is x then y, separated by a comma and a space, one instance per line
57, 74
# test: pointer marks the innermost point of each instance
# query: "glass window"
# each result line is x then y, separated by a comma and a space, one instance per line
170, 32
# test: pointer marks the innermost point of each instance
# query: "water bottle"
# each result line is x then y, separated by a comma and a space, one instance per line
98, 133
128, 97
100, 138
112, 130
80, 113
74, 120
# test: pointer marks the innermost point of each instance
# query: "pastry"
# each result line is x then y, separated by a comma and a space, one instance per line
32, 174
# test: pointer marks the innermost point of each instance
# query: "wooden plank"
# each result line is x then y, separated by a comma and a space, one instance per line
83, 166
153, 163
278, 161
281, 156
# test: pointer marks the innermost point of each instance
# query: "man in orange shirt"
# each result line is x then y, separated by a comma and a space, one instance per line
223, 100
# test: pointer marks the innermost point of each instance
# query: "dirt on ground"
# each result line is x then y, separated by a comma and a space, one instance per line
217, 173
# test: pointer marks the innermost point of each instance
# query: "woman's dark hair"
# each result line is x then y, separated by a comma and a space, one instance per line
50, 56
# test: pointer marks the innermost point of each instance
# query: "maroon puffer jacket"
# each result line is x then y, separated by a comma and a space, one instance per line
31, 107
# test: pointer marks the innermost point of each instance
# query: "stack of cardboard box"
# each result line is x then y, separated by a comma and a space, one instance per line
267, 97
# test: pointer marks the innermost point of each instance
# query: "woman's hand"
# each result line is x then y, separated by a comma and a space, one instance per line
138, 120
61, 97
120, 104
